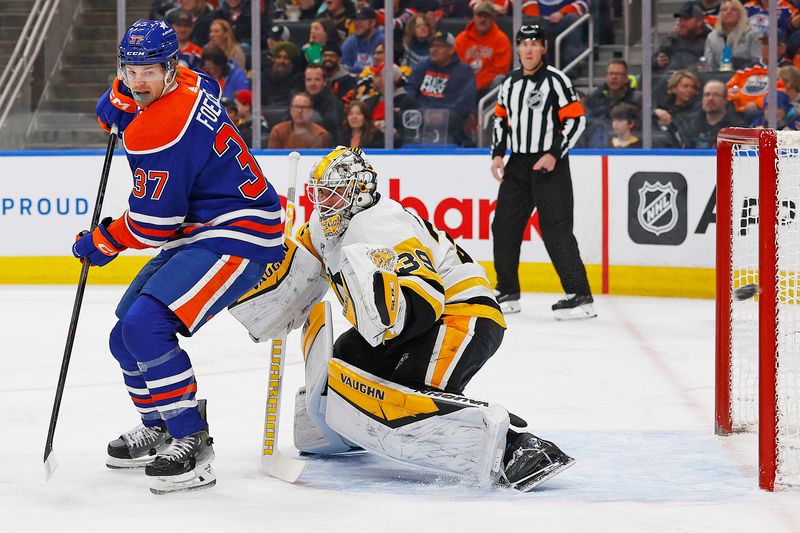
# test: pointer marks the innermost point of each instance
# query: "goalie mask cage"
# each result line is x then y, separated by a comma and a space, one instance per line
758, 333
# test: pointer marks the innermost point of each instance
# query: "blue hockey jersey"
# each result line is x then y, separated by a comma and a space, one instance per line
195, 183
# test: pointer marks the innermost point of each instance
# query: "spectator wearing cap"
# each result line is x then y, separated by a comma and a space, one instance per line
357, 49
732, 30
700, 129
783, 61
299, 131
341, 12
341, 82
221, 35
244, 113
202, 14
444, 82
328, 109
281, 78
685, 46
788, 117
237, 13
230, 77
485, 48
417, 40
189, 54
624, 119
276, 34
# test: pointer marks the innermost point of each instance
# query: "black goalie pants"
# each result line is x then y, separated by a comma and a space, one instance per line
522, 190
444, 358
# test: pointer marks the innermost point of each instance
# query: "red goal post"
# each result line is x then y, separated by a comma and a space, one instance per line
758, 239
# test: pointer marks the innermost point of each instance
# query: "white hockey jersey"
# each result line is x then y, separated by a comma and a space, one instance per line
437, 277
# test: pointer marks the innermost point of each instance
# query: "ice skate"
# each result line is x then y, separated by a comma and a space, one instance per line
184, 465
574, 307
138, 447
509, 303
530, 461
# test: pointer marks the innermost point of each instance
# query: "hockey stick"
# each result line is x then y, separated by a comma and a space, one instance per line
273, 463
50, 462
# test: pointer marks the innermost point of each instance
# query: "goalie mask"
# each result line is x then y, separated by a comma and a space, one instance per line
342, 184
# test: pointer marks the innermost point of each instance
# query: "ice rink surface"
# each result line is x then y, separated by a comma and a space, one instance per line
629, 395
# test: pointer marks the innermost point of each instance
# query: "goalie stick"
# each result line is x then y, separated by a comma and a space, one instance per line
273, 463
50, 462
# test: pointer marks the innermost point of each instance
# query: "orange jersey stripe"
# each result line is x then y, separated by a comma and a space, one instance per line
189, 311
571, 110
122, 234
148, 231
263, 228
142, 401
175, 393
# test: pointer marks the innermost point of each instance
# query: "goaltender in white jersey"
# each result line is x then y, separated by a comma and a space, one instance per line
424, 322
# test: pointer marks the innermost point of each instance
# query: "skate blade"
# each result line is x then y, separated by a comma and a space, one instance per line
576, 313
115, 463
201, 477
540, 477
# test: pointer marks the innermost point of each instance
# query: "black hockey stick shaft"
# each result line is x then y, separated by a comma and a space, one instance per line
76, 308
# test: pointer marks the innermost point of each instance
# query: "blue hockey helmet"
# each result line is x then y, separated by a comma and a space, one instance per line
149, 42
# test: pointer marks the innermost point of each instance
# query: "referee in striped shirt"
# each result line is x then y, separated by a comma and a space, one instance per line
538, 116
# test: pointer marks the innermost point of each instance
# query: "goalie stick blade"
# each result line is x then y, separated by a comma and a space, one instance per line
282, 467
50, 465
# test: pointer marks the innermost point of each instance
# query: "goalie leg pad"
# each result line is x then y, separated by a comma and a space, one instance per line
311, 433
433, 430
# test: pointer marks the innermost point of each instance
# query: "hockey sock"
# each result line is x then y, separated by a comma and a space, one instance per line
148, 331
133, 378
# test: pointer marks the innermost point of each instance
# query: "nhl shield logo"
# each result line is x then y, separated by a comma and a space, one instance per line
534, 99
658, 207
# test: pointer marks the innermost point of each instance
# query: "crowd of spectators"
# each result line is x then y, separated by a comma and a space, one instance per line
708, 74
326, 85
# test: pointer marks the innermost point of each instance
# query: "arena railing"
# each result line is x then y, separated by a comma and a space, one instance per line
22, 59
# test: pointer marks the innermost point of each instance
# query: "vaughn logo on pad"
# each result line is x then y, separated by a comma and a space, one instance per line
657, 208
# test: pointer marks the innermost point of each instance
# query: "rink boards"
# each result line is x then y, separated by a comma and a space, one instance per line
644, 220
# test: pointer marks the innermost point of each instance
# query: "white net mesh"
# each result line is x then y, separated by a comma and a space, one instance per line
788, 306
744, 272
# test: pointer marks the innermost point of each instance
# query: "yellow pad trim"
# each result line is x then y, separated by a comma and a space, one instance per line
314, 323
379, 399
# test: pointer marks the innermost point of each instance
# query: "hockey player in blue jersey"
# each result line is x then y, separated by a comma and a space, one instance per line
199, 195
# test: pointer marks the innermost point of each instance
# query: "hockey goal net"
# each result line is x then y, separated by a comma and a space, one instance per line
758, 296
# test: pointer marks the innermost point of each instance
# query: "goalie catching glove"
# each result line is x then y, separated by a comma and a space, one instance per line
373, 302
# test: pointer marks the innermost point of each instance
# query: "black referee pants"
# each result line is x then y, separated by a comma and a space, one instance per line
522, 190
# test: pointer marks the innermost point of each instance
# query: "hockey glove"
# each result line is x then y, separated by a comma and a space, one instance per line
98, 246
116, 106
